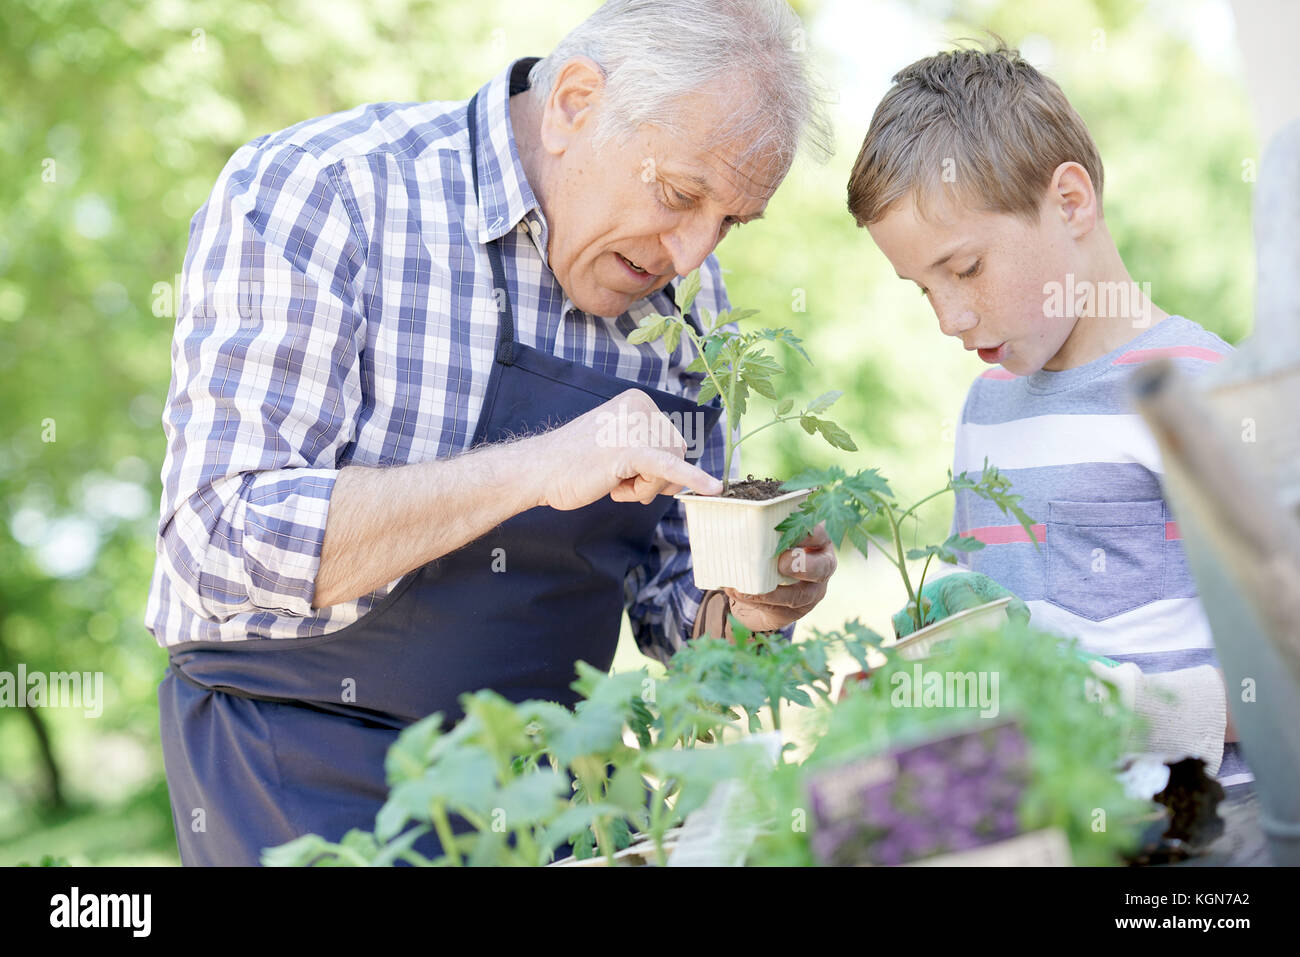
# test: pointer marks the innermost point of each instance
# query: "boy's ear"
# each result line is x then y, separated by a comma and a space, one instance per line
1072, 197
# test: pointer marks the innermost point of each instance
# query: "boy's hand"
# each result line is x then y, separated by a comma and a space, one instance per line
1182, 711
957, 592
812, 562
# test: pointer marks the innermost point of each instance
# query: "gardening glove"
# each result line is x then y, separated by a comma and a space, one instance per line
957, 592
1184, 711
712, 617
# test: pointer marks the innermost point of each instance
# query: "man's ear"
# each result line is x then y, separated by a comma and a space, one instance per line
571, 108
1072, 197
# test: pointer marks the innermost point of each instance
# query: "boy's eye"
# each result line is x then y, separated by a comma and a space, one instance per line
973, 271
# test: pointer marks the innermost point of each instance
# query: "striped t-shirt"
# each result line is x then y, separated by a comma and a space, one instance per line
1110, 568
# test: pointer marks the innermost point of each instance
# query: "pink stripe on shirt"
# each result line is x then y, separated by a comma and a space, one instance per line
1013, 534
1006, 534
1169, 352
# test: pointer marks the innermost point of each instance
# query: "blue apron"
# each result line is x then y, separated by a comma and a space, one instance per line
260, 742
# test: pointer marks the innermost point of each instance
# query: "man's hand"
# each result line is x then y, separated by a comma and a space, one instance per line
812, 562
383, 522
626, 449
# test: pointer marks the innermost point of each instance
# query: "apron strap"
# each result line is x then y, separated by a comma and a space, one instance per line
500, 291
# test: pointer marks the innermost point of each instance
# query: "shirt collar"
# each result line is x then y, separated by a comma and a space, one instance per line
505, 197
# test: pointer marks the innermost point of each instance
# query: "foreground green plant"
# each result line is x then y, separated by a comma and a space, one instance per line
848, 504
1075, 746
511, 784
735, 364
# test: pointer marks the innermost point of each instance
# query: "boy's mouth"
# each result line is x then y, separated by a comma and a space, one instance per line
994, 355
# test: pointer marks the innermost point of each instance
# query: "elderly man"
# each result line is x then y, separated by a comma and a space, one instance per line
402, 329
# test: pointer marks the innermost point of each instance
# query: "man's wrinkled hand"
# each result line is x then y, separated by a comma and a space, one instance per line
811, 563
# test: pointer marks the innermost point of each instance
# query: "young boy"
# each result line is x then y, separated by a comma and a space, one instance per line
981, 184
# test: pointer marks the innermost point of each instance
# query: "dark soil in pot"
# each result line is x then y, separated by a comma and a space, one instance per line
756, 490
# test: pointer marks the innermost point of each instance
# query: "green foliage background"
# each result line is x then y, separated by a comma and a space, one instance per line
117, 117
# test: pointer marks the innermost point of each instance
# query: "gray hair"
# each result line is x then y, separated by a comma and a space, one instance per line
654, 52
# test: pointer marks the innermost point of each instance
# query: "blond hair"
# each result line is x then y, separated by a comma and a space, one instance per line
983, 124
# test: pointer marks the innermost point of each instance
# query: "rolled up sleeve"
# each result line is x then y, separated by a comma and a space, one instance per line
266, 384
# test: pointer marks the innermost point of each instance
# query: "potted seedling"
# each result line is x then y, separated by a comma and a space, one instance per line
851, 505
733, 535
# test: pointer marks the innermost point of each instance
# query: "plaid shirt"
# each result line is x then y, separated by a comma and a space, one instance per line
336, 309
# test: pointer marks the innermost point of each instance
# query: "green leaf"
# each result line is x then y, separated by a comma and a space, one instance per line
713, 349
839, 515
501, 724
532, 798
861, 485
739, 399
648, 329
627, 790
759, 363
687, 290
964, 543
673, 337
784, 406
823, 402
598, 728
408, 756
360, 842
835, 435
465, 778
763, 387
813, 478
858, 536
486, 848
300, 852
397, 848
787, 337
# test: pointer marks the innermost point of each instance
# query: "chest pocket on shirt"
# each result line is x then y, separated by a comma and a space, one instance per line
1105, 558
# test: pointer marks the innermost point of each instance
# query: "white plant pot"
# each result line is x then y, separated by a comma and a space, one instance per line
921, 644
733, 540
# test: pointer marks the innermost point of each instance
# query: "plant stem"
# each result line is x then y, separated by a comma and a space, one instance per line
656, 820
443, 826
779, 418
527, 847
726, 403
902, 561
732, 442
916, 505
884, 549
591, 784
920, 589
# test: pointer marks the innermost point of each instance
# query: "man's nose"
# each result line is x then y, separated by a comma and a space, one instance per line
690, 244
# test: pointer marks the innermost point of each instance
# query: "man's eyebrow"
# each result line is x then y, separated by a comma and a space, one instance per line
702, 184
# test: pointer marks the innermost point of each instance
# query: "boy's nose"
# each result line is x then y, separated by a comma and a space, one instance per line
954, 319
